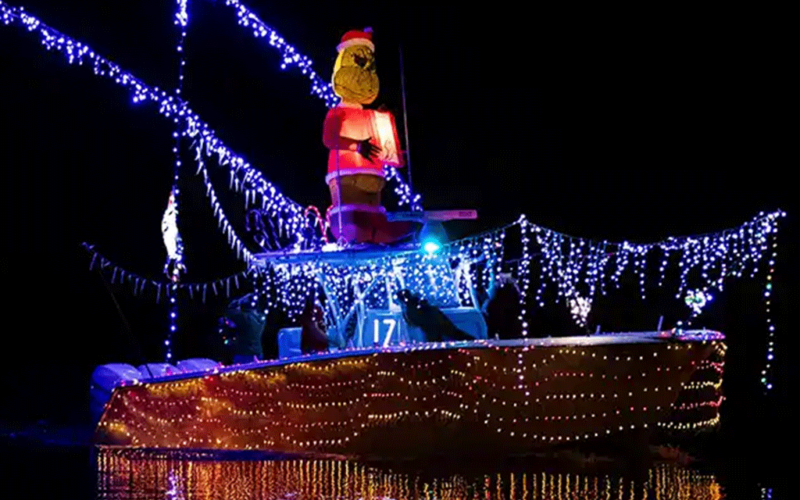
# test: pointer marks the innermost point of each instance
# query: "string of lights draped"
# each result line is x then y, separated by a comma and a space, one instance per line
139, 284
181, 21
244, 177
577, 266
287, 213
578, 269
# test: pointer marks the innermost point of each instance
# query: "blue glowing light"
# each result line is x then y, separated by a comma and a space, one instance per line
431, 246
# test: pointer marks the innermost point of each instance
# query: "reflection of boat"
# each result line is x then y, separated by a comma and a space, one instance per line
128, 474
486, 397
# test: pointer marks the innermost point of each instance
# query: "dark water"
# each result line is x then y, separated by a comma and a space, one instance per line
36, 472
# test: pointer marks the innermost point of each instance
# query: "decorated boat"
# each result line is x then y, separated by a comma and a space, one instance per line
394, 344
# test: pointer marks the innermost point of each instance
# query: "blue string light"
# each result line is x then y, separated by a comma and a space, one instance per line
287, 213
290, 56
182, 22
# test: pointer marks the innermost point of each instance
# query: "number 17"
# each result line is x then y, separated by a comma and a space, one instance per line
392, 324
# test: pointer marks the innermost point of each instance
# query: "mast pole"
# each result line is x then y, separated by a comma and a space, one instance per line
405, 118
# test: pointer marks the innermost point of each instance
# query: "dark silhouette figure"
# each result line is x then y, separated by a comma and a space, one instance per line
247, 323
313, 337
435, 324
502, 309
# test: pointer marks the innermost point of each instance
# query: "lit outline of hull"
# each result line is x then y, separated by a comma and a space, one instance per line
497, 397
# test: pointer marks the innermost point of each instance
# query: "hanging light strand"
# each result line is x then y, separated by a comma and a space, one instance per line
140, 284
286, 212
181, 21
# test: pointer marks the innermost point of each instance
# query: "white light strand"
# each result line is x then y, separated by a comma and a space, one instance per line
173, 320
766, 374
289, 54
705, 258
525, 272
288, 213
140, 284
170, 228
403, 191
236, 244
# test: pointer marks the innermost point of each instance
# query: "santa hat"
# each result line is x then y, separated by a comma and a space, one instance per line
357, 37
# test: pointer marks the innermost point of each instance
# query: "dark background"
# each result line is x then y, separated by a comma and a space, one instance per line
627, 124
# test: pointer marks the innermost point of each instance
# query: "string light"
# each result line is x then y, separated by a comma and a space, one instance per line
403, 191
139, 284
290, 56
173, 321
336, 403
287, 213
525, 272
170, 223
766, 373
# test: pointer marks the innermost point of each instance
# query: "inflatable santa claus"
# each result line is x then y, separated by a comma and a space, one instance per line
361, 141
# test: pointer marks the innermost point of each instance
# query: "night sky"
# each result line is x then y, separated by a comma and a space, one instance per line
613, 124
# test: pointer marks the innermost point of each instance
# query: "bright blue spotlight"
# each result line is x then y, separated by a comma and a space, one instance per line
432, 235
431, 246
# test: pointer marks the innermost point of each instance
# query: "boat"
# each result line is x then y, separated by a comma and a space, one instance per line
392, 386
390, 392
501, 397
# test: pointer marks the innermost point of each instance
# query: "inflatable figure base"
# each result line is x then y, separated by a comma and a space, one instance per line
367, 224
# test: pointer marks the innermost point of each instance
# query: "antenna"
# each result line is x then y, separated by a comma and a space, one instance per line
405, 117
128, 330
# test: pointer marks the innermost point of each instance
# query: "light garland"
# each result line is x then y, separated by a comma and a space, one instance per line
447, 278
233, 239
403, 191
285, 211
140, 284
290, 56
174, 266
706, 259
767, 371
172, 238
525, 271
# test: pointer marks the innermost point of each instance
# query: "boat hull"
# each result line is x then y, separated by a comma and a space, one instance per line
485, 397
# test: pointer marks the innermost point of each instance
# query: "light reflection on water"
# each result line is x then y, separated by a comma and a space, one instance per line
123, 475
